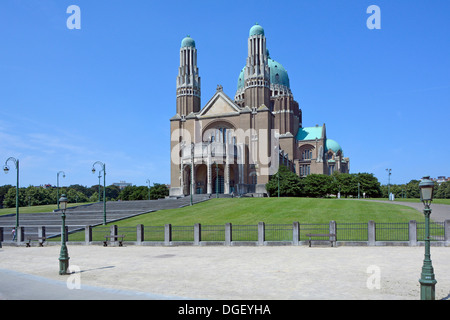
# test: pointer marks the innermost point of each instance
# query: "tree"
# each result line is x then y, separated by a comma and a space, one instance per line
344, 183
443, 191
112, 192
10, 198
368, 184
412, 189
290, 183
3, 191
317, 185
158, 191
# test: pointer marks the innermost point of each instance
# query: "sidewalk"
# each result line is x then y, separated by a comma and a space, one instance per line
217, 272
439, 212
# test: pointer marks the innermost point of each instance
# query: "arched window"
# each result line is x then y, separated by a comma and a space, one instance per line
307, 154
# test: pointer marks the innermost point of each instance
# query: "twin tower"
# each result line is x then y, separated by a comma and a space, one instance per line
262, 81
227, 145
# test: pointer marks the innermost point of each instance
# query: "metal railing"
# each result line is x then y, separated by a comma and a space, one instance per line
259, 234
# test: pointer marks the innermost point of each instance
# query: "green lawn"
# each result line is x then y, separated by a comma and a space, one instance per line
277, 211
250, 211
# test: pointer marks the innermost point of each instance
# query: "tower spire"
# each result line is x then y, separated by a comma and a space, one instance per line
188, 79
257, 72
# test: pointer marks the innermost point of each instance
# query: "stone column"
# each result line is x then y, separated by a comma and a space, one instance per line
41, 232
167, 234
413, 233
226, 184
197, 234
208, 173
295, 233
88, 234
140, 233
228, 234
333, 230
371, 233
261, 233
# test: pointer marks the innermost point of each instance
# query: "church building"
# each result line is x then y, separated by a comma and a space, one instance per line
233, 146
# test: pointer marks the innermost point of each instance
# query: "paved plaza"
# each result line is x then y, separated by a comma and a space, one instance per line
187, 272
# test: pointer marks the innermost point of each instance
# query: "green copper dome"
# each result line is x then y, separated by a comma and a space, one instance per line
278, 75
188, 42
332, 145
256, 30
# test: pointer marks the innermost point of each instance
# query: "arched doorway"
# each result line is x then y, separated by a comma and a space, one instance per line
218, 180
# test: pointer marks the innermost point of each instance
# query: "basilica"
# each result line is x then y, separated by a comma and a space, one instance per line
233, 146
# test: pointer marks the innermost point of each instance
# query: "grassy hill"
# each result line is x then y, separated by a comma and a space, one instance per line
277, 211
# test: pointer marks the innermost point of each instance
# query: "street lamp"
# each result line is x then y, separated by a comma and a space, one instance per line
6, 170
57, 185
64, 254
389, 183
104, 187
148, 182
192, 171
427, 280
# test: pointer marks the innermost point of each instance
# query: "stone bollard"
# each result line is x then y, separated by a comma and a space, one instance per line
261, 233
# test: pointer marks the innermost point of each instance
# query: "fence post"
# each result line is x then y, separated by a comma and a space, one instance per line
371, 233
140, 233
261, 233
114, 232
333, 231
167, 234
20, 236
447, 232
197, 234
295, 233
88, 234
413, 233
228, 234
41, 232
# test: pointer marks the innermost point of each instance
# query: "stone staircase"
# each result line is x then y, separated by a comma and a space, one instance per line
92, 214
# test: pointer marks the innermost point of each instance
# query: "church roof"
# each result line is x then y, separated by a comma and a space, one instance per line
310, 133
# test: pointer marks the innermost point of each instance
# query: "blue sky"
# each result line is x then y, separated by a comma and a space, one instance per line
106, 92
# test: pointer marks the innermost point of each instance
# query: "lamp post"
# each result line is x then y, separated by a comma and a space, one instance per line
104, 187
389, 183
57, 185
99, 176
6, 170
64, 254
148, 182
192, 171
427, 280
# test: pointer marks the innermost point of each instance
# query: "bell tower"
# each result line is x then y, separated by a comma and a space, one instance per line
188, 79
257, 72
